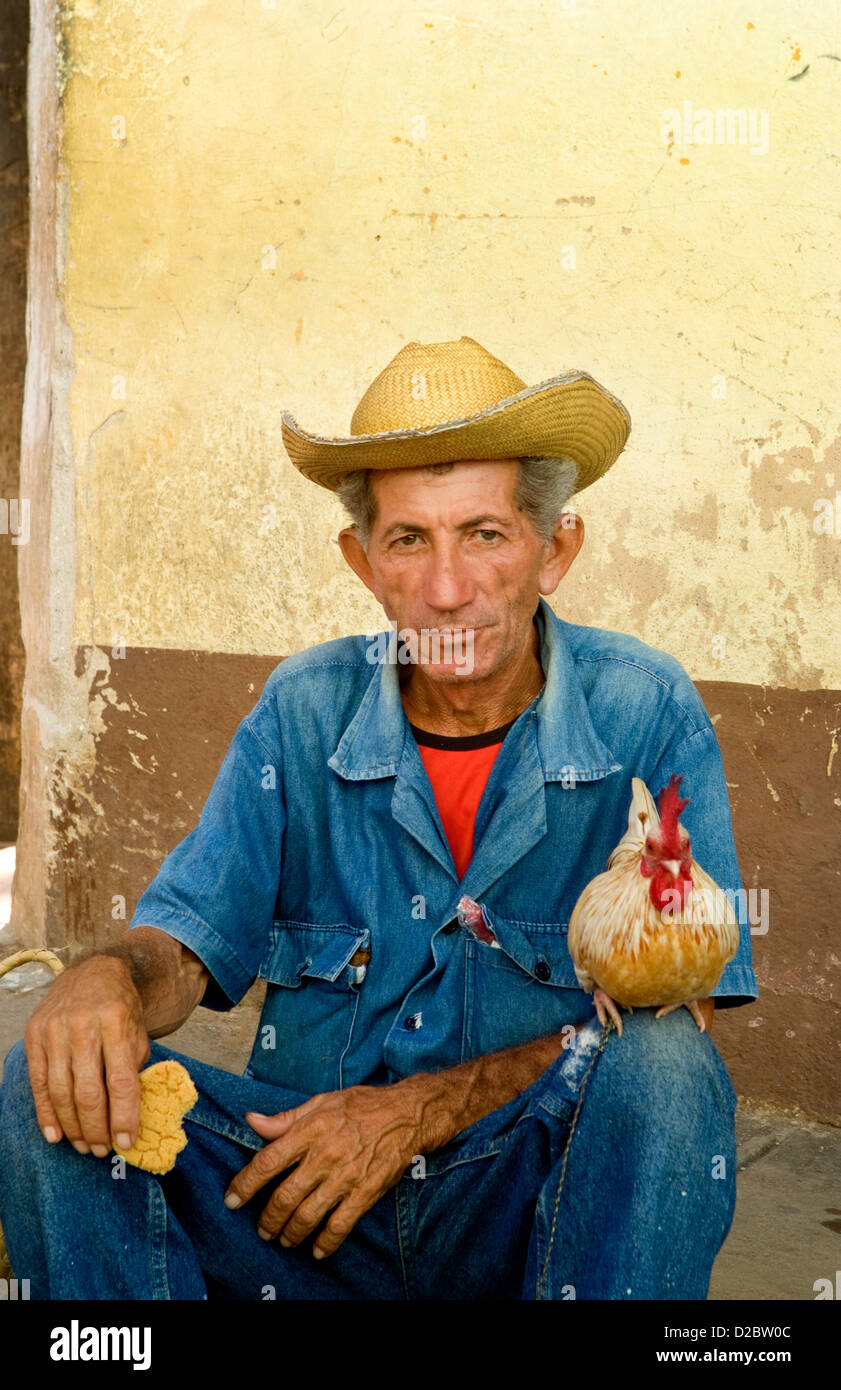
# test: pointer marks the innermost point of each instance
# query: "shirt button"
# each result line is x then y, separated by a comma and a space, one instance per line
450, 927
414, 1021
542, 970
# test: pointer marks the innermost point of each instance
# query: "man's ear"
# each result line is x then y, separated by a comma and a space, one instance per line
354, 552
561, 549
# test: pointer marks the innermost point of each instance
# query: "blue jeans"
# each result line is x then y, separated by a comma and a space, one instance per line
647, 1197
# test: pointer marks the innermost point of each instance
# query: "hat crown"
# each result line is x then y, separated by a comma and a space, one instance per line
429, 384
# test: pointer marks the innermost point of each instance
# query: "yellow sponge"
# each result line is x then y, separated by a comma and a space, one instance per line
166, 1094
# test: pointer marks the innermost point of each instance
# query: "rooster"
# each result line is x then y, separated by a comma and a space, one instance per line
654, 929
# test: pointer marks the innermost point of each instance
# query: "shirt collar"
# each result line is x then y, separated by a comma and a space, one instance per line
569, 747
570, 750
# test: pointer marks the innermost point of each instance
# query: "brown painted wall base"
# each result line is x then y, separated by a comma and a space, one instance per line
175, 713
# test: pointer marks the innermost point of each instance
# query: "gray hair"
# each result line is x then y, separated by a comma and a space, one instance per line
543, 489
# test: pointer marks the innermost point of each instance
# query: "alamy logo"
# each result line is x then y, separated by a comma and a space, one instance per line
430, 646
715, 905
12, 1289
75, 1343
14, 519
723, 126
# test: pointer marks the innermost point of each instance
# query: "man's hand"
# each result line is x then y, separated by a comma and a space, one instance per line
88, 1040
85, 1046
349, 1147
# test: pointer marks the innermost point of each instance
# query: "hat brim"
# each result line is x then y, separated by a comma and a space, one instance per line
571, 416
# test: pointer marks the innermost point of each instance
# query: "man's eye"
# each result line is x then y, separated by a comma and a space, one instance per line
408, 537
488, 535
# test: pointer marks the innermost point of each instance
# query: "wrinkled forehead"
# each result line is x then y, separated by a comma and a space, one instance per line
458, 478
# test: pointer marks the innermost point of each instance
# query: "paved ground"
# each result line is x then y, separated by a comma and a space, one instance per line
787, 1229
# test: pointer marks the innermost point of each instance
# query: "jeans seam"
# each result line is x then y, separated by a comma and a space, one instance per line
467, 1008
158, 1223
558, 1107
226, 1131
346, 1048
530, 1291
404, 1236
460, 1162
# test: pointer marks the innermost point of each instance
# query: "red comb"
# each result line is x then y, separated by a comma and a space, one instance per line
671, 806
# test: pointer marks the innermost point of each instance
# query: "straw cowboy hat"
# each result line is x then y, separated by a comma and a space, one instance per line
448, 402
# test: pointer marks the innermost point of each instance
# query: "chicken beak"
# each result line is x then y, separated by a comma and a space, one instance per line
673, 866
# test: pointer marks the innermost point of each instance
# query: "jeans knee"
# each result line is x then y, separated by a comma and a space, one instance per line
668, 1069
20, 1136
15, 1057
672, 1041
17, 1105
15, 1083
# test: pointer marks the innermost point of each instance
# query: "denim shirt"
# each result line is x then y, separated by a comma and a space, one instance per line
320, 864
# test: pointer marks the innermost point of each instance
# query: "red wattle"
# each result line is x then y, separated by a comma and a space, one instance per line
664, 888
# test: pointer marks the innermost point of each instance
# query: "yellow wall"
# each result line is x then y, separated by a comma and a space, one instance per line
249, 128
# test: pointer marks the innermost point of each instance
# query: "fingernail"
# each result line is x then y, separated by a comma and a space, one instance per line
232, 1201
99, 1149
51, 1135
123, 1140
319, 1254
264, 1235
286, 1243
80, 1146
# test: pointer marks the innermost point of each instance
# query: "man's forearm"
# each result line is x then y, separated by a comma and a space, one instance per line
448, 1101
169, 978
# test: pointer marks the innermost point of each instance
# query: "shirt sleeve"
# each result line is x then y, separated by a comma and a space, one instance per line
216, 892
708, 820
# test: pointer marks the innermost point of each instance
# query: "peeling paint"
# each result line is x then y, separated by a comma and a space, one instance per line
833, 749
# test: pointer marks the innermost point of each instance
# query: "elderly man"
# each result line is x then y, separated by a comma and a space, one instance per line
395, 846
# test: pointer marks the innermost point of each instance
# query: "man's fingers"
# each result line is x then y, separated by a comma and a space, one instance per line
272, 1126
341, 1223
122, 1079
123, 1082
267, 1163
38, 1080
310, 1212
61, 1089
335, 1190
339, 1150
89, 1096
85, 1045
286, 1199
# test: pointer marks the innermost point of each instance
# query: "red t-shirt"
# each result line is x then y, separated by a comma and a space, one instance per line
458, 769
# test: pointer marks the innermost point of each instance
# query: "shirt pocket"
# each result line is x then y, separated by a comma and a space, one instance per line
522, 988
314, 972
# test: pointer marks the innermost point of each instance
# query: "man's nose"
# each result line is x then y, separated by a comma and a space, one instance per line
448, 584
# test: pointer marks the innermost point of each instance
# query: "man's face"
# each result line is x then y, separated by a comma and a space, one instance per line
450, 552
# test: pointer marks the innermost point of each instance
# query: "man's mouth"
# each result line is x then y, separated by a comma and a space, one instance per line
456, 631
